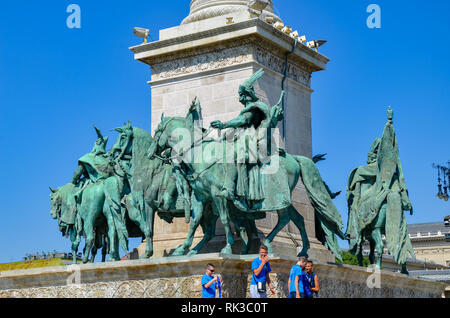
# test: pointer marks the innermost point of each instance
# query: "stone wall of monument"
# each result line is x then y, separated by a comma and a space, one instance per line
179, 277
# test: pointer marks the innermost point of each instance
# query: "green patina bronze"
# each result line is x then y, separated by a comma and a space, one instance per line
243, 184
377, 196
238, 178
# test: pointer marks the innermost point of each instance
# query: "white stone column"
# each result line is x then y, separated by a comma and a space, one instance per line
209, 57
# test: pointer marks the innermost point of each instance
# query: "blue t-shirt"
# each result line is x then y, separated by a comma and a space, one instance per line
262, 276
308, 283
296, 271
211, 291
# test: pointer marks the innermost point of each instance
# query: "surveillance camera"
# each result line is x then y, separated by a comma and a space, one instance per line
316, 44
142, 33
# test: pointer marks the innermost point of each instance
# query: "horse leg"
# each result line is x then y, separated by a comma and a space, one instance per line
197, 213
148, 232
283, 220
376, 235
93, 254
404, 269
75, 239
379, 246
112, 236
98, 242
372, 255
299, 222
220, 205
252, 232
359, 256
104, 248
209, 230
242, 228
90, 240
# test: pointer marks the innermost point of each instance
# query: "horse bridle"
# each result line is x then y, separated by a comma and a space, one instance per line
194, 143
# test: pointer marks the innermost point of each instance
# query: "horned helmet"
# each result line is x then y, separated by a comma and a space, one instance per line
100, 144
247, 91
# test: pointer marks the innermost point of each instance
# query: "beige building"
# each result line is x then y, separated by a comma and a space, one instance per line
430, 243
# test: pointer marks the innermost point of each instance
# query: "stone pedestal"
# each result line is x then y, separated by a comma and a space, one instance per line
180, 277
209, 57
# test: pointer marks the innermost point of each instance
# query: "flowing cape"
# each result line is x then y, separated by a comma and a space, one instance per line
98, 166
390, 171
328, 219
141, 168
68, 203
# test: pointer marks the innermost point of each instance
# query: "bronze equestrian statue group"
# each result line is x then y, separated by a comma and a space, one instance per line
182, 172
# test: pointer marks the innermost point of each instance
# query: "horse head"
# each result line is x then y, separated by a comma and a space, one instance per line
172, 133
124, 144
55, 198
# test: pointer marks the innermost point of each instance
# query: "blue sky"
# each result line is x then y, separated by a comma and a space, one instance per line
56, 82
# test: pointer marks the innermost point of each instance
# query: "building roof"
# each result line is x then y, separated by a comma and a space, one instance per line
428, 227
436, 275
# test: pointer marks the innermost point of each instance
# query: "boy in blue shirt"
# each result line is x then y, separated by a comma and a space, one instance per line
312, 281
297, 279
210, 282
260, 274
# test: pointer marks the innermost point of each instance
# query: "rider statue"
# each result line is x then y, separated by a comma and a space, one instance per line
98, 166
377, 196
95, 165
252, 133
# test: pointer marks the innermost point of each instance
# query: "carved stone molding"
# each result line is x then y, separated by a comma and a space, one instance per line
230, 54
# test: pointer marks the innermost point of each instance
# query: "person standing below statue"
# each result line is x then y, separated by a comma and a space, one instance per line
312, 286
211, 283
297, 279
260, 275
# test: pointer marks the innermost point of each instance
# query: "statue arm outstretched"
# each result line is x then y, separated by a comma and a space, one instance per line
277, 113
239, 121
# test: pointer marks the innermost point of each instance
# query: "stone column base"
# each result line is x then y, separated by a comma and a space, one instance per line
286, 243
